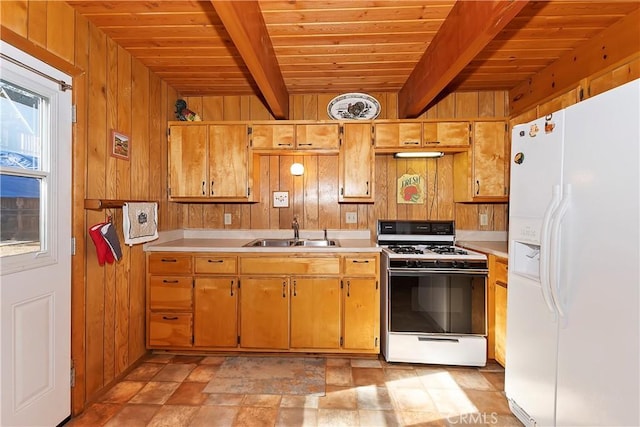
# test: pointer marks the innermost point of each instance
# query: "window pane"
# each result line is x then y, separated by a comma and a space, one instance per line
19, 215
21, 120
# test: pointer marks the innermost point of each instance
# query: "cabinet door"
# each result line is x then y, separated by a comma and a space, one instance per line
315, 312
272, 137
264, 312
392, 135
357, 163
500, 329
228, 161
319, 136
446, 134
188, 161
489, 139
361, 313
216, 312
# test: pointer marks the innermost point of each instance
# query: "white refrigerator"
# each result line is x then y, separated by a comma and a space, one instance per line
573, 323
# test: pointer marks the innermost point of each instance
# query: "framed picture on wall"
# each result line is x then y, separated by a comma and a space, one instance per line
120, 145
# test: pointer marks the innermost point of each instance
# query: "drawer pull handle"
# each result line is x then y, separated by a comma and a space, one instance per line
170, 281
215, 261
439, 339
284, 144
306, 144
169, 260
356, 261
169, 318
411, 142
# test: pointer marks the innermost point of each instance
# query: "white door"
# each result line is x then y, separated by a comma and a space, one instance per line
35, 243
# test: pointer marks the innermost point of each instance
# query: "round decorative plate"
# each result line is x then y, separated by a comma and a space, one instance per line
353, 106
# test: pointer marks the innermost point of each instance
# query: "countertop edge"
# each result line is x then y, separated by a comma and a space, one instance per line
497, 248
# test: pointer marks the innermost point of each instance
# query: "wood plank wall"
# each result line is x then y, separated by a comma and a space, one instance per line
314, 196
111, 91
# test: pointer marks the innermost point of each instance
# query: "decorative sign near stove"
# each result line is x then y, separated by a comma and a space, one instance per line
411, 189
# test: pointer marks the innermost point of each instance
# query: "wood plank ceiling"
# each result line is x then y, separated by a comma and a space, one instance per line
343, 46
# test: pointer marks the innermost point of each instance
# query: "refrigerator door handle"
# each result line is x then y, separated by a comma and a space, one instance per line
554, 264
545, 252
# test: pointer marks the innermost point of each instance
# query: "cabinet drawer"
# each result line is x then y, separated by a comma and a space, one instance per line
360, 266
293, 265
170, 293
216, 264
170, 329
501, 270
169, 263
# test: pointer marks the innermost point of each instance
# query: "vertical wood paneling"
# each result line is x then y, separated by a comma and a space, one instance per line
60, 29
97, 131
37, 22
15, 16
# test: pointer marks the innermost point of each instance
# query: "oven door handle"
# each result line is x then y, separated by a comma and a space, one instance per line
446, 339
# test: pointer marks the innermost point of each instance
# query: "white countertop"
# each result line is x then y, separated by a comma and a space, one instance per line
497, 248
193, 240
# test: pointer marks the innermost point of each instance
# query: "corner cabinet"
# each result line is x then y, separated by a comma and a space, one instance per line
210, 162
480, 173
357, 163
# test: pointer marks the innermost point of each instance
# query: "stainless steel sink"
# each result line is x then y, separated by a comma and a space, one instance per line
271, 242
289, 242
316, 243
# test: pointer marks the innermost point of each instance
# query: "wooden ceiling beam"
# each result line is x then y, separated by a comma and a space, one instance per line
470, 26
244, 22
608, 48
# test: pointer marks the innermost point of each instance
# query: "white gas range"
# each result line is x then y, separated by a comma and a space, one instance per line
433, 295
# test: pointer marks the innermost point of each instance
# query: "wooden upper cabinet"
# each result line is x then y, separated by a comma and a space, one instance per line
357, 164
295, 136
398, 134
272, 136
318, 136
446, 134
188, 160
480, 173
210, 162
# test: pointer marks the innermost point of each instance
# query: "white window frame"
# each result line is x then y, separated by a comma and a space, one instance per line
59, 112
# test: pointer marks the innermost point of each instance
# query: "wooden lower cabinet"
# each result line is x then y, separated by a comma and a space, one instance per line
167, 329
264, 302
361, 309
315, 312
216, 312
264, 312
500, 298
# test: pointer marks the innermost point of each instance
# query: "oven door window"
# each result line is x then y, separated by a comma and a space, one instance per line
437, 303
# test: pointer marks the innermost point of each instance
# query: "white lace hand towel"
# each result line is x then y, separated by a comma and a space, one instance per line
139, 222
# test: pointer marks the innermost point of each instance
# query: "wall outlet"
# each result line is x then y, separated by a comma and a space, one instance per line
352, 217
280, 199
227, 219
484, 219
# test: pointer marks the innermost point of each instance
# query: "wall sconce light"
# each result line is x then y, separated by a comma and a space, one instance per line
297, 169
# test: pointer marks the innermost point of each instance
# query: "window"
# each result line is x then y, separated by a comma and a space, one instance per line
23, 174
35, 161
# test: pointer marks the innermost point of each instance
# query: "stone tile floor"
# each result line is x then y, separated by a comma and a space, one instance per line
167, 390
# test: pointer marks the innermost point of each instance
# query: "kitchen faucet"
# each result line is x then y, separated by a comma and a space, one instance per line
296, 228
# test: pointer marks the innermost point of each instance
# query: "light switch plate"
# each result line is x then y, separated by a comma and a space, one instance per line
352, 217
227, 219
484, 219
280, 199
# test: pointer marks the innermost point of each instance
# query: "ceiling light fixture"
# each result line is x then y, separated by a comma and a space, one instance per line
297, 169
414, 154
